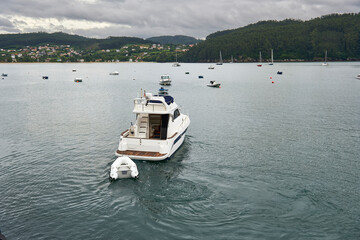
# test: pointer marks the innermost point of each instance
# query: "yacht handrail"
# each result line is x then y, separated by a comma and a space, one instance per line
123, 133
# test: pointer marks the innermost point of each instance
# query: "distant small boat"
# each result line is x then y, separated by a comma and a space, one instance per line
74, 70
186, 72
163, 91
358, 76
201, 76
114, 73
45, 77
279, 72
165, 80
213, 84
4, 75
78, 79
123, 167
211, 67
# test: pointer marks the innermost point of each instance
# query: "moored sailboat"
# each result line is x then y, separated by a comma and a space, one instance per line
260, 62
325, 62
220, 61
176, 64
272, 57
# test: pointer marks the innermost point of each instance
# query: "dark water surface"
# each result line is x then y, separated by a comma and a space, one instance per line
260, 160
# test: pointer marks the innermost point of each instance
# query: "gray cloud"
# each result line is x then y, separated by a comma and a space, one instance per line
143, 18
6, 26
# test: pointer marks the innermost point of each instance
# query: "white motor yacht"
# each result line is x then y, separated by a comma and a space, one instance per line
165, 80
158, 132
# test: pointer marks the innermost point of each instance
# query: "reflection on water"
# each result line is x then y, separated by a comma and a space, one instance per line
259, 161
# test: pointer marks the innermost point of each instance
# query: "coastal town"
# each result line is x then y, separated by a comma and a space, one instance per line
67, 53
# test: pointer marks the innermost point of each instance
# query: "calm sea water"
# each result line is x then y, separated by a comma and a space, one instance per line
261, 160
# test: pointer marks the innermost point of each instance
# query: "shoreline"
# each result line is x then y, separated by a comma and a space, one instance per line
264, 63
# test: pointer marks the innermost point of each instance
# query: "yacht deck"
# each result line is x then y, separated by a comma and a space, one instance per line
140, 153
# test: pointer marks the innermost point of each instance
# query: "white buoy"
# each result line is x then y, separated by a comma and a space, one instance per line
123, 167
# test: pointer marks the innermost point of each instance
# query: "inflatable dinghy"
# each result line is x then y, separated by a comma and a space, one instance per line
123, 167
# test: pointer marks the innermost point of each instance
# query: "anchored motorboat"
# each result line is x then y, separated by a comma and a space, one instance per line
158, 132
114, 73
163, 91
123, 167
78, 79
165, 80
213, 84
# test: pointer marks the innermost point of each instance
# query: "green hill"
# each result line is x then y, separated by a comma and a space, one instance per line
34, 39
339, 34
177, 39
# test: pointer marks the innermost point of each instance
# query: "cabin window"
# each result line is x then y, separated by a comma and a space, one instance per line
176, 113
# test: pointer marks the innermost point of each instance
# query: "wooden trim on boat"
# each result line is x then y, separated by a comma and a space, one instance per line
172, 136
140, 153
122, 134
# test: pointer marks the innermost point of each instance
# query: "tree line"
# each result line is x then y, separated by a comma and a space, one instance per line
338, 34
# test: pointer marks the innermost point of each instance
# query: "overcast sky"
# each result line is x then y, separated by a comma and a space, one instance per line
148, 18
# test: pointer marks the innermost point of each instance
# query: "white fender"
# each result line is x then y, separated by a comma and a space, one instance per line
134, 171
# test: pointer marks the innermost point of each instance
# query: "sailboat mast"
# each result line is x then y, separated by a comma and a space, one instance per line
326, 56
260, 57
272, 56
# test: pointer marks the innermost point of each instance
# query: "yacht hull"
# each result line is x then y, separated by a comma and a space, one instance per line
141, 151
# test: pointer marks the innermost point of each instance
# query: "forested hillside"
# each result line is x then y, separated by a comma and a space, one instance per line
33, 39
339, 34
177, 39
